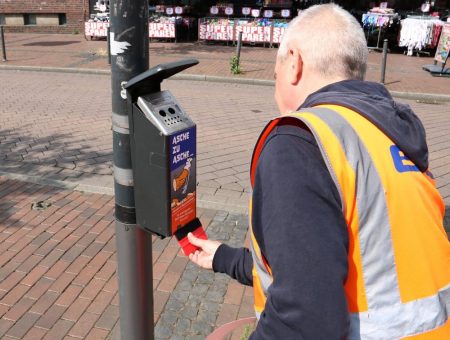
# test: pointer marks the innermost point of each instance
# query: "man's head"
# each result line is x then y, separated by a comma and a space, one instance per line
323, 45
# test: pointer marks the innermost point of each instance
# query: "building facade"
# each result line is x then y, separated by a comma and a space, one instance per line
44, 16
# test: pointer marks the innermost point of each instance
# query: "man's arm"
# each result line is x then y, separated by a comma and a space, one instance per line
236, 262
297, 220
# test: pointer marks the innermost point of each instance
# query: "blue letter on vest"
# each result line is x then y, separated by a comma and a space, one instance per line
398, 157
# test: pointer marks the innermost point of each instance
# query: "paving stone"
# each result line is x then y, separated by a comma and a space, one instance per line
174, 304
182, 326
163, 331
189, 275
22, 326
170, 318
202, 326
206, 317
211, 306
181, 296
189, 312
197, 337
108, 318
177, 337
5, 325
205, 277
194, 301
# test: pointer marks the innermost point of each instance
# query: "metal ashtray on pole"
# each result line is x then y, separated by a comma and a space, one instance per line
163, 147
163, 153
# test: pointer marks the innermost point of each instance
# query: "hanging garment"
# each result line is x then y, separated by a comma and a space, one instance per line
417, 33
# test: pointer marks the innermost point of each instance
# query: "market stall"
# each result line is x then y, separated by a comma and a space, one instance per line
166, 23
98, 23
257, 27
419, 33
380, 22
172, 23
439, 68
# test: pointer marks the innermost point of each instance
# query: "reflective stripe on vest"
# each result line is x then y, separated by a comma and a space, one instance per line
387, 300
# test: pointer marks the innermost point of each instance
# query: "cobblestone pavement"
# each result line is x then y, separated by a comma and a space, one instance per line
403, 73
58, 270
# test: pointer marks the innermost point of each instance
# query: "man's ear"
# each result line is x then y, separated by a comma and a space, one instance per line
295, 66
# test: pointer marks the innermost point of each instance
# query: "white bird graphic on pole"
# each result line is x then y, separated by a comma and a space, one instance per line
117, 47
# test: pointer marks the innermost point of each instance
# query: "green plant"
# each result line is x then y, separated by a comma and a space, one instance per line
234, 65
75, 31
247, 331
101, 52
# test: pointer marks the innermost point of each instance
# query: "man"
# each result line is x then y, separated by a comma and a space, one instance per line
347, 235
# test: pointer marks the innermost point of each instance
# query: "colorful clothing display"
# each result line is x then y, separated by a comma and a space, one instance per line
419, 33
371, 19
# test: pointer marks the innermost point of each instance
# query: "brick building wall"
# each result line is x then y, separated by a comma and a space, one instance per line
44, 16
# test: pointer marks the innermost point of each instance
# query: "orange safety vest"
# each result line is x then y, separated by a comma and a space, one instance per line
398, 283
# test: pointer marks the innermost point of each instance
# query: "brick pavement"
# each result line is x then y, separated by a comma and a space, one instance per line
58, 270
57, 266
403, 73
62, 131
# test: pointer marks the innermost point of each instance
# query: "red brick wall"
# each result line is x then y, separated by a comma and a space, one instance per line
76, 12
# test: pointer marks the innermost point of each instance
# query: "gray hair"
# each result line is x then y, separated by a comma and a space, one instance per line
331, 42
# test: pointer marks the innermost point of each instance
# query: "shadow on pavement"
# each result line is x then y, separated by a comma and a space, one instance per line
59, 156
51, 43
20, 202
196, 47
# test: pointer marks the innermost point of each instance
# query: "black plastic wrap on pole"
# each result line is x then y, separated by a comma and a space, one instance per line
2, 38
129, 49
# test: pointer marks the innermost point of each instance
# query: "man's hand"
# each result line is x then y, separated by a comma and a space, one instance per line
204, 256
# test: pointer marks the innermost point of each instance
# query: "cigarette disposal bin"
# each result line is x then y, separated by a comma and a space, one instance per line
163, 152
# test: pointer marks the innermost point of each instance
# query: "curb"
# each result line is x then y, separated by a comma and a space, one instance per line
421, 96
218, 79
39, 180
95, 189
54, 69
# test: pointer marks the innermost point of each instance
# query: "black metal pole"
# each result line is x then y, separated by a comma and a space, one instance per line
238, 48
2, 37
129, 57
383, 60
108, 43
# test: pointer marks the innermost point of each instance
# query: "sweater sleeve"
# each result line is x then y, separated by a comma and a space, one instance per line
298, 222
236, 262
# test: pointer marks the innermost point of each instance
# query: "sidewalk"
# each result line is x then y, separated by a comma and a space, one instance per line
403, 73
57, 266
58, 270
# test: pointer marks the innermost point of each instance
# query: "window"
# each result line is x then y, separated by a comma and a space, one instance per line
62, 18
29, 19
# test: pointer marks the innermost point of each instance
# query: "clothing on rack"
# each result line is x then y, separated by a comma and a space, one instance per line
371, 19
420, 32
